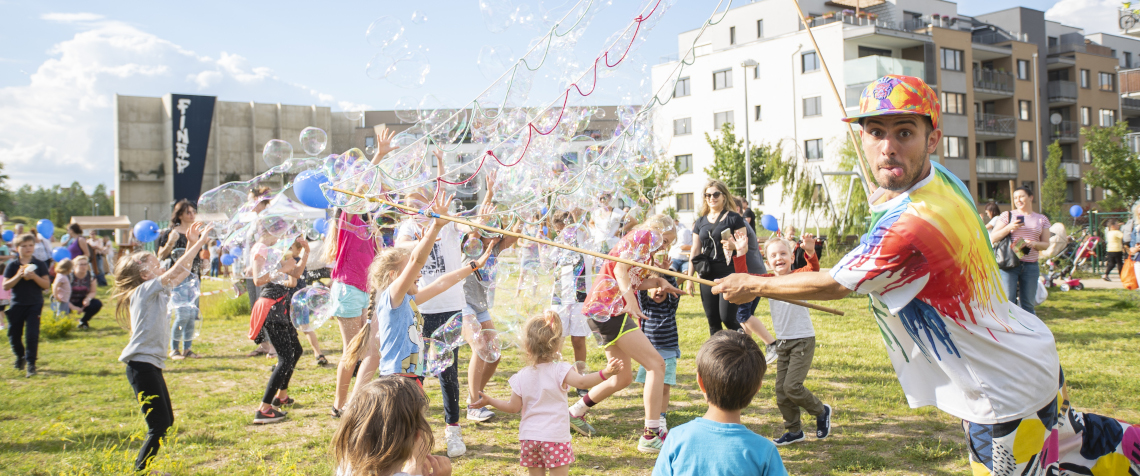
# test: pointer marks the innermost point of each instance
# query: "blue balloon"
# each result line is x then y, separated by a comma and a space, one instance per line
307, 186
321, 225
60, 253
227, 259
769, 223
9, 235
1076, 211
146, 231
46, 228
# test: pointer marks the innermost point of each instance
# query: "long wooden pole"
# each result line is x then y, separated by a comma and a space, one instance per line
863, 164
576, 249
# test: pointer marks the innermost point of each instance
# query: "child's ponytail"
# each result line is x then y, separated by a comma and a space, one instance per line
364, 336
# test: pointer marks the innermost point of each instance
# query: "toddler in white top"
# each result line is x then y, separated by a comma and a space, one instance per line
539, 392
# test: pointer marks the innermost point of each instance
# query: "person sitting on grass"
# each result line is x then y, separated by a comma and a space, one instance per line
83, 291
660, 327
730, 369
538, 391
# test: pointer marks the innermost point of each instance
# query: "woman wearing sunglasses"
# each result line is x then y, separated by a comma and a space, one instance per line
707, 257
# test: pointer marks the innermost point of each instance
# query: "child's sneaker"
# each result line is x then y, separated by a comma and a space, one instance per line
580, 425
790, 438
479, 414
272, 416
663, 429
454, 437
823, 423
278, 403
651, 441
770, 353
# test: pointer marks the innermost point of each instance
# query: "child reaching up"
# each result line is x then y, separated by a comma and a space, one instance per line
660, 326
539, 392
384, 432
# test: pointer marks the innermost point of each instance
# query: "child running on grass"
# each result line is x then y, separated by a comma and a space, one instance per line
538, 391
385, 432
142, 294
660, 326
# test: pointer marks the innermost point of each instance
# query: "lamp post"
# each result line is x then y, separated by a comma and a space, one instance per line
748, 63
95, 209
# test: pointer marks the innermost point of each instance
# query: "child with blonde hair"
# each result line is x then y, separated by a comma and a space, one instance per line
61, 287
384, 431
538, 391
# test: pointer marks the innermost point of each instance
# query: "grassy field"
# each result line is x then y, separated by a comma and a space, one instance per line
78, 415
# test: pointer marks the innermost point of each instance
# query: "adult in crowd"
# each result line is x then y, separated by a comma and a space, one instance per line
1132, 237
83, 291
1031, 233
27, 278
989, 215
605, 222
954, 339
682, 246
98, 265
708, 259
76, 243
1113, 248
170, 240
42, 249
746, 211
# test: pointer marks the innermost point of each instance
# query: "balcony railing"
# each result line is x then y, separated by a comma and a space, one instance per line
991, 166
870, 68
1068, 130
907, 25
995, 124
1081, 48
1072, 169
991, 38
1129, 81
1130, 103
991, 80
1062, 91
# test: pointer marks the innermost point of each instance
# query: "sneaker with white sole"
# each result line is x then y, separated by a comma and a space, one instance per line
790, 438
580, 425
479, 414
272, 416
454, 437
651, 441
823, 423
770, 353
663, 429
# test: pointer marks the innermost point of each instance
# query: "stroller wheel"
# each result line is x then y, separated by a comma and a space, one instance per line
1064, 286
1079, 287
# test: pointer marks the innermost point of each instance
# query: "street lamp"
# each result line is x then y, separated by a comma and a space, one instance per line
748, 63
95, 209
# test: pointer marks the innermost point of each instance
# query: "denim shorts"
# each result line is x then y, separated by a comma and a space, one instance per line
670, 372
348, 301
479, 316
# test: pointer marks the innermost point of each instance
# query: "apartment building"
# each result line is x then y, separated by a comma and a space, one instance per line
1005, 92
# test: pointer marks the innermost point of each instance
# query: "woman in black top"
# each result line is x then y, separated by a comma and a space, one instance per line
717, 213
172, 242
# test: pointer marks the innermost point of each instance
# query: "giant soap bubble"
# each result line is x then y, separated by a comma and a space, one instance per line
311, 307
276, 152
313, 140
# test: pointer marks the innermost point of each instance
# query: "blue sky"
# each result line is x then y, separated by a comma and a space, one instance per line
62, 62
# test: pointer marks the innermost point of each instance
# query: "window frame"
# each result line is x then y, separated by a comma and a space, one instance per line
732, 35
1086, 156
1086, 79
683, 158
1101, 75
959, 149
1111, 114
1027, 110
687, 121
730, 117
1086, 116
959, 104
757, 116
688, 85
727, 83
818, 106
818, 147
1028, 70
956, 55
1026, 151
760, 28
688, 196
803, 62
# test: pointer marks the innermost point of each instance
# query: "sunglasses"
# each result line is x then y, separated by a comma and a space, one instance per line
712, 195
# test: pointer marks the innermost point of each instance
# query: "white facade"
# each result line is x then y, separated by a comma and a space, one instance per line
1127, 48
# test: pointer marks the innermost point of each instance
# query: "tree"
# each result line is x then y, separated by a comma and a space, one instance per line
728, 161
5, 194
1053, 190
1115, 167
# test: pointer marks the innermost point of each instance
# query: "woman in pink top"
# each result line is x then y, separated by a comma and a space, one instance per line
1030, 235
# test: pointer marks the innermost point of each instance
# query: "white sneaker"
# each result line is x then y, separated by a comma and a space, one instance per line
479, 414
455, 446
664, 428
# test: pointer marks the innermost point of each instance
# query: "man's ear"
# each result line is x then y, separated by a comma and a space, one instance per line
933, 141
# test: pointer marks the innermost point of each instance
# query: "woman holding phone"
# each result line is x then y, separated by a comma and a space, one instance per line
1030, 235
718, 222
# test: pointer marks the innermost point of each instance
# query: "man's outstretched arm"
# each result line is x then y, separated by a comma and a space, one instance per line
741, 288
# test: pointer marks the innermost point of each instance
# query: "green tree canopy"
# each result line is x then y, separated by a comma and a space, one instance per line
1114, 165
1053, 190
728, 161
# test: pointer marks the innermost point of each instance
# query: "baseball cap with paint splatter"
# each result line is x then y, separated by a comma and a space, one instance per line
898, 94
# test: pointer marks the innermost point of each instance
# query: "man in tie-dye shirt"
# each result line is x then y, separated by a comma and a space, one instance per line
953, 336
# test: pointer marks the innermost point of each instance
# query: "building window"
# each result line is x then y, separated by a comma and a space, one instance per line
813, 106
1086, 156
732, 35
682, 126
1088, 193
684, 202
681, 89
1107, 82
951, 59
722, 79
1024, 109
756, 71
1023, 69
1086, 116
813, 149
955, 147
369, 141
953, 103
1107, 117
1027, 151
721, 118
756, 116
1127, 60
810, 62
1085, 78
759, 28
684, 164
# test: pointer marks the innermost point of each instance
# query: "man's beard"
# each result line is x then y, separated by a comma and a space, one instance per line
899, 184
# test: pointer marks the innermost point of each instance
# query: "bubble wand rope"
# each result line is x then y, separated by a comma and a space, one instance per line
571, 248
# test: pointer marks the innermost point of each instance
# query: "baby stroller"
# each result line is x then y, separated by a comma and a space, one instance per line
1071, 253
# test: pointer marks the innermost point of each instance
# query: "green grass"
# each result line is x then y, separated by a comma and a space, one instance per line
79, 417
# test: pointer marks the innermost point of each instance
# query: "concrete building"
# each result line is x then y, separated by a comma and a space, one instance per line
1005, 93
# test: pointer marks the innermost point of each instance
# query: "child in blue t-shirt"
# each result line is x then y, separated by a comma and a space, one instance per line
730, 367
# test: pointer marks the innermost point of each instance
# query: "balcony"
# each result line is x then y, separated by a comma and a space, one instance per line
1072, 170
870, 68
994, 126
990, 84
1062, 92
1066, 131
1129, 81
1133, 141
1086, 47
908, 25
1130, 106
996, 168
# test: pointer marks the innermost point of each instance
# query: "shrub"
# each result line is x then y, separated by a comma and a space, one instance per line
53, 327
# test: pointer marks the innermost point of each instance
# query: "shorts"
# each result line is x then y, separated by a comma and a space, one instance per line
544, 454
610, 331
670, 372
348, 301
573, 321
479, 316
744, 311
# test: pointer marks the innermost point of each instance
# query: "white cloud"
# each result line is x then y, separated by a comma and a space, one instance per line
58, 127
1093, 16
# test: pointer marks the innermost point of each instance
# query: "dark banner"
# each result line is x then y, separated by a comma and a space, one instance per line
190, 117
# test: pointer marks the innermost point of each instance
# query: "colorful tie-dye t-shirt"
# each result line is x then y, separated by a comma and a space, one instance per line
954, 338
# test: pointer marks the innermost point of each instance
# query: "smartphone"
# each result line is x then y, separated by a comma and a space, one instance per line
1021, 219
726, 234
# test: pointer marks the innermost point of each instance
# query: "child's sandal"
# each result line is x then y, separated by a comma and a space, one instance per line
322, 361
